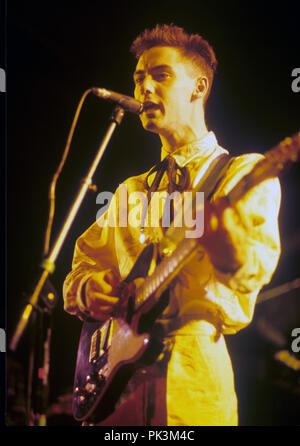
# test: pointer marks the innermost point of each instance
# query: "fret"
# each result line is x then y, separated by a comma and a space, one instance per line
164, 271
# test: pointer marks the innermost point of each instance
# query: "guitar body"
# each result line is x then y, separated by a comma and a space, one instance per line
109, 353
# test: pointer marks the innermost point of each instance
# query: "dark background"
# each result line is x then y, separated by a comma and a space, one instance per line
55, 51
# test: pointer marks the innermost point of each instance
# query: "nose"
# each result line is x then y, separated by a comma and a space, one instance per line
146, 86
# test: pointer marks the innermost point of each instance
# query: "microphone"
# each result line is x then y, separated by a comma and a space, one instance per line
128, 103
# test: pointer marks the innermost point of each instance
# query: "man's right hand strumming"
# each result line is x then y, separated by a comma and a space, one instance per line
100, 295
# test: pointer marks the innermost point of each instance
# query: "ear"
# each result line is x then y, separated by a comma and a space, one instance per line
201, 88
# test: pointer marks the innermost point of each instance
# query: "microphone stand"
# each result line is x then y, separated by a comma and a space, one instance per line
48, 265
39, 357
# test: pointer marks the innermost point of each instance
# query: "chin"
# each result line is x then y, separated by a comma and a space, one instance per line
150, 126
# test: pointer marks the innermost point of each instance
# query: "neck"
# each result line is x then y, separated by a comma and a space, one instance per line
171, 141
181, 133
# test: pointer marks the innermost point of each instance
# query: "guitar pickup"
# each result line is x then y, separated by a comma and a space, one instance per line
101, 341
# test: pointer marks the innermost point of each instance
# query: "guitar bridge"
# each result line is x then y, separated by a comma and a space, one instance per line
101, 341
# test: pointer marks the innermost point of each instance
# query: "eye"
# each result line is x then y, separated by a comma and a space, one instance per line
138, 80
161, 76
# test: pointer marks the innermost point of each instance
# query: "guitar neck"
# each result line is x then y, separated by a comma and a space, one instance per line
166, 271
274, 162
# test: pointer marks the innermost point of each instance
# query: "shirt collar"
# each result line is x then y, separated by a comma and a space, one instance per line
199, 148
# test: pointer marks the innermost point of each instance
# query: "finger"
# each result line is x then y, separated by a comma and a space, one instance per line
101, 310
99, 284
110, 277
108, 288
102, 314
101, 297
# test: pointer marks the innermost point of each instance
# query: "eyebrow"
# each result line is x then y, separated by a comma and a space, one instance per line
153, 69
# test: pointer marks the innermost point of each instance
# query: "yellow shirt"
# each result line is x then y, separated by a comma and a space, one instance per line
204, 303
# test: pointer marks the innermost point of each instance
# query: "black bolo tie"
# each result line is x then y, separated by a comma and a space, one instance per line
178, 181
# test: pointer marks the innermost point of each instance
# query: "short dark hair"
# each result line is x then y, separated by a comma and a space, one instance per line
192, 46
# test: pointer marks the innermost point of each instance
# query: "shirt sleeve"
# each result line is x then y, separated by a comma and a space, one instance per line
257, 247
94, 251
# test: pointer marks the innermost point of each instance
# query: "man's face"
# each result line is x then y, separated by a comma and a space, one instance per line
164, 82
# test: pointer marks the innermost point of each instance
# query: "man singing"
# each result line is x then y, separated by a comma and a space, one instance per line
191, 383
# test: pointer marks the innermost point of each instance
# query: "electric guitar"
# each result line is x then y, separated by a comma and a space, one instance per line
109, 353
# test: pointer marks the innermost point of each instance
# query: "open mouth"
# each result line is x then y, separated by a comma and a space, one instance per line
149, 106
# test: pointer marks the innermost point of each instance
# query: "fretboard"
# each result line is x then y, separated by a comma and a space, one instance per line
166, 271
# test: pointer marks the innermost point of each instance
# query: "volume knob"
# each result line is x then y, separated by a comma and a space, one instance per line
82, 394
92, 379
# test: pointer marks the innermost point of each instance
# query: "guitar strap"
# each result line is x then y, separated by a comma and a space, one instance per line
208, 185
213, 176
